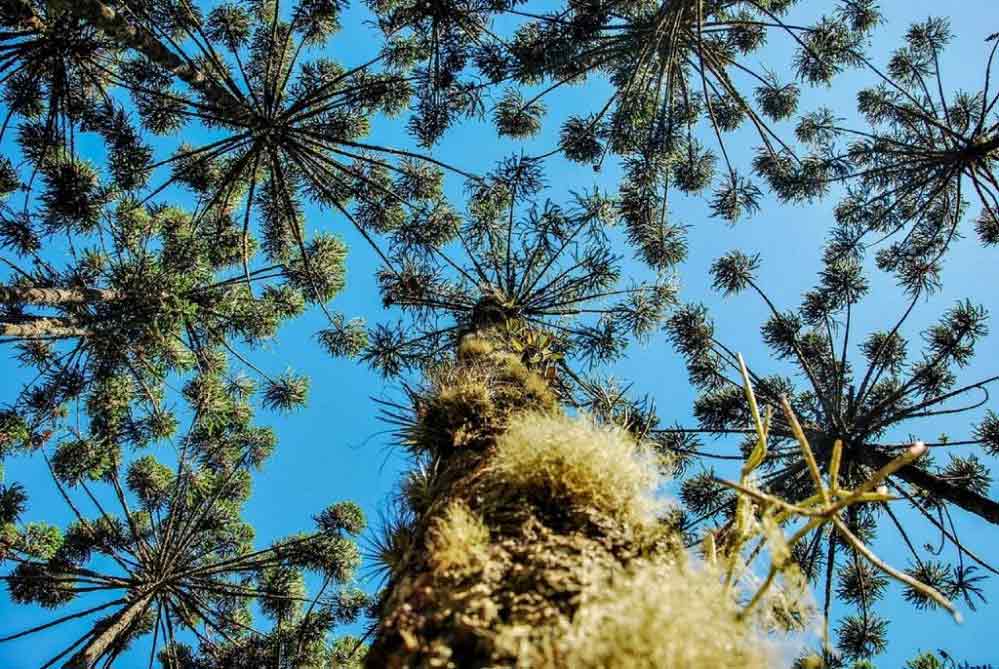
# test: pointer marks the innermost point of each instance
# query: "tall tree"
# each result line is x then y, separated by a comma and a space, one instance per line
862, 401
523, 529
507, 311
164, 548
546, 267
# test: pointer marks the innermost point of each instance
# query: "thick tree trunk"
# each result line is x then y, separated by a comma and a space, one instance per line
490, 571
98, 646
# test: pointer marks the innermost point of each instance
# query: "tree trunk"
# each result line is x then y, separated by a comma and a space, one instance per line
135, 37
143, 41
55, 296
972, 502
488, 568
42, 328
98, 646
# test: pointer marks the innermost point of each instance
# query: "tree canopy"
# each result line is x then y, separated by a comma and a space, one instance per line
589, 187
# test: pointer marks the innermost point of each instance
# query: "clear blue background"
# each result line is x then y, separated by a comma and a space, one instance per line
337, 449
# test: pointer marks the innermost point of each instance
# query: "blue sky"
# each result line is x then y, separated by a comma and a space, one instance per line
337, 449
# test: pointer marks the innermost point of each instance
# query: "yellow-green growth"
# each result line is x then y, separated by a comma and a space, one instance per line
663, 616
458, 539
460, 408
576, 463
472, 347
762, 515
466, 405
536, 541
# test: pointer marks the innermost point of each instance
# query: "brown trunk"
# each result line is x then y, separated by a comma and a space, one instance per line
962, 497
140, 39
525, 583
134, 37
98, 646
54, 296
41, 328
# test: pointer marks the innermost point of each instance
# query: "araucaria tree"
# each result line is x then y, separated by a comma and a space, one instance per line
856, 401
180, 179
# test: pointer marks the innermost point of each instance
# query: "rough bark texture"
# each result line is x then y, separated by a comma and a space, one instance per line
97, 647
513, 600
53, 296
111, 22
142, 40
41, 328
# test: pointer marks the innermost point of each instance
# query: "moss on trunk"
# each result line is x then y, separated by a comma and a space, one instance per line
527, 528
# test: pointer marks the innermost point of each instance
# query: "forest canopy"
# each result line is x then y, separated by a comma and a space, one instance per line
458, 333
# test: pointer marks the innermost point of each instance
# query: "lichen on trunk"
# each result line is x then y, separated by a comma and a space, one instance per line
42, 328
529, 533
55, 296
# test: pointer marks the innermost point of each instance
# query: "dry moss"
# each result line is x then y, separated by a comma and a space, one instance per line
466, 405
473, 346
462, 410
575, 462
458, 539
661, 615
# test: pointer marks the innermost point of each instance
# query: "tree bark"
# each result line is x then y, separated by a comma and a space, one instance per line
55, 296
134, 37
42, 328
98, 646
525, 586
143, 41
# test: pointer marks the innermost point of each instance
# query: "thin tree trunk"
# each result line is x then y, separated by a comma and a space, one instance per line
98, 646
42, 328
143, 41
981, 506
135, 37
55, 296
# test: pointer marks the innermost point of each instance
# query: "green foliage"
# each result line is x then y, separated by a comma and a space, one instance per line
515, 117
855, 400
13, 432
948, 142
78, 460
114, 298
548, 268
342, 517
150, 296
286, 392
924, 661
344, 339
